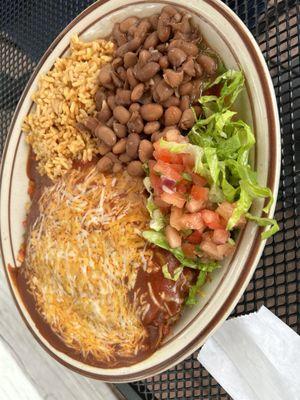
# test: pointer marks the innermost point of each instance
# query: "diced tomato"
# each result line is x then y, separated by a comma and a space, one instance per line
175, 217
226, 209
216, 252
161, 204
193, 205
188, 249
211, 219
188, 160
156, 183
178, 167
225, 250
210, 249
167, 170
165, 155
220, 236
199, 193
192, 221
199, 180
195, 237
175, 199
183, 186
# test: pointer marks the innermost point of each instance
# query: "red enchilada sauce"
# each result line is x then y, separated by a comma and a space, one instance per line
164, 296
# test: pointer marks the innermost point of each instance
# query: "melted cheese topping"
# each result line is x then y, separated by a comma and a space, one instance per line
82, 257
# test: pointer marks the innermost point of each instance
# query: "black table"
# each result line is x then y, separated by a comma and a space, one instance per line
27, 27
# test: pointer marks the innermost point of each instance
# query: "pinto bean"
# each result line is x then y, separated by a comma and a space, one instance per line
103, 149
134, 107
189, 68
189, 48
151, 41
119, 36
156, 136
119, 129
116, 63
151, 112
125, 158
91, 123
163, 28
208, 63
105, 164
185, 88
144, 57
135, 168
199, 70
151, 127
106, 134
187, 120
121, 114
132, 45
173, 237
105, 113
172, 115
130, 59
163, 62
163, 91
155, 55
132, 145
141, 31
135, 123
105, 74
137, 92
176, 56
173, 78
127, 23
99, 97
111, 101
110, 122
171, 101
145, 150
184, 103
172, 12
122, 97
195, 93
120, 146
198, 110
154, 21
131, 78
147, 71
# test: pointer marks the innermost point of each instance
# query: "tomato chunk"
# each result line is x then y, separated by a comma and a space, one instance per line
183, 186
175, 217
165, 155
211, 219
193, 205
220, 236
175, 199
189, 250
167, 170
211, 250
161, 204
188, 160
192, 221
199, 180
195, 237
156, 183
226, 209
199, 193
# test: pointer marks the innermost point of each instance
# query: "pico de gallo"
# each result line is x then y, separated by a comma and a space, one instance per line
201, 185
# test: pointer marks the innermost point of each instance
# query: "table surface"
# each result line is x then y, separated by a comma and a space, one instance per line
26, 30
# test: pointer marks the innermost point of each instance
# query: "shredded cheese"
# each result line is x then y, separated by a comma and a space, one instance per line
82, 259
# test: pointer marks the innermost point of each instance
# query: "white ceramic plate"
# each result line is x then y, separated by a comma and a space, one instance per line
230, 38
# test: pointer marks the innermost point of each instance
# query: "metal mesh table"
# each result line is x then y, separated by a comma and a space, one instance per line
27, 27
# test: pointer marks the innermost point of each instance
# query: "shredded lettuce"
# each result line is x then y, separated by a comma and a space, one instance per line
265, 222
226, 144
157, 221
192, 297
167, 275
